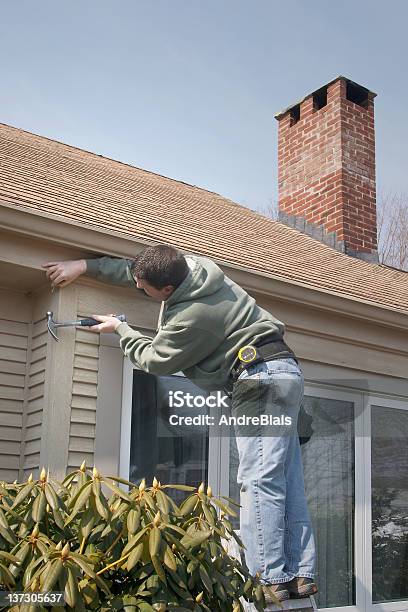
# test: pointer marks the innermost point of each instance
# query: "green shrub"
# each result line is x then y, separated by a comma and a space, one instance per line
134, 550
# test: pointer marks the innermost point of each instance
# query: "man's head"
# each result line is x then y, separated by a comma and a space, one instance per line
159, 270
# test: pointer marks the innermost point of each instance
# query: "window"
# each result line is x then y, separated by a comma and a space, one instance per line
328, 438
329, 466
389, 503
154, 447
355, 460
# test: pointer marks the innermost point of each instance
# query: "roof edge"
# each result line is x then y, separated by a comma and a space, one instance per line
96, 240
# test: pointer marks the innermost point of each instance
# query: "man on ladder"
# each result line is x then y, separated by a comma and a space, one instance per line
213, 331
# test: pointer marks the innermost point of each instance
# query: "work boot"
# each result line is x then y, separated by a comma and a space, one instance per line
275, 593
300, 586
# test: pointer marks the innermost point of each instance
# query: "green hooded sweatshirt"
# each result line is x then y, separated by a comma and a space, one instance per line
202, 325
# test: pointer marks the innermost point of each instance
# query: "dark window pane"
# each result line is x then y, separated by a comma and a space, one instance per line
389, 481
328, 463
233, 471
173, 453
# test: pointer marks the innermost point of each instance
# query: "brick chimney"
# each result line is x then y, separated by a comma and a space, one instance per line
326, 156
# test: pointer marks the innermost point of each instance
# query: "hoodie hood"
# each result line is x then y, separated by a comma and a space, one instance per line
203, 279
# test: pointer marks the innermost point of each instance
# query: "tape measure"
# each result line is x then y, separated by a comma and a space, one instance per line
247, 353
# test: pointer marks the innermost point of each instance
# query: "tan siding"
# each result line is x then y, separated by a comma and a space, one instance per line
7, 405
12, 393
13, 368
10, 431
13, 358
86, 350
76, 458
8, 353
86, 363
83, 416
11, 379
83, 402
14, 328
34, 398
85, 376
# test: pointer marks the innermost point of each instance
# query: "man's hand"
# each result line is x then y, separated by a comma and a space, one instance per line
108, 324
62, 273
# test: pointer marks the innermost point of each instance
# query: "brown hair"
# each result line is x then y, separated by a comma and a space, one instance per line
160, 265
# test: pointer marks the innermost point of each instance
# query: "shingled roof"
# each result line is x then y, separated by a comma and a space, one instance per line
40, 174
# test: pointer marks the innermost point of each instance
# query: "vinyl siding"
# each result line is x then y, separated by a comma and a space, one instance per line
97, 376
83, 402
33, 416
13, 358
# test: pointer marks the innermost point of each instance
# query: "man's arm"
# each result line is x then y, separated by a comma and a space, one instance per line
106, 269
111, 270
174, 348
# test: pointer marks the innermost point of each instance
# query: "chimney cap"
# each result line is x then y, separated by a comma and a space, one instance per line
338, 78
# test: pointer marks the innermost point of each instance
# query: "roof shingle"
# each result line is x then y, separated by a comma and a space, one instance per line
54, 178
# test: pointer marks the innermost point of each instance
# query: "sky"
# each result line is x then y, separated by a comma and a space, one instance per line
189, 88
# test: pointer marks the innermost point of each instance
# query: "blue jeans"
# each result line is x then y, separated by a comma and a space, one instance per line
275, 522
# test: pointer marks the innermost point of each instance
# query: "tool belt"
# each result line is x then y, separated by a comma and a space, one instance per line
256, 352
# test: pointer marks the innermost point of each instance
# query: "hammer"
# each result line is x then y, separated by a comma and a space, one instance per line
53, 325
